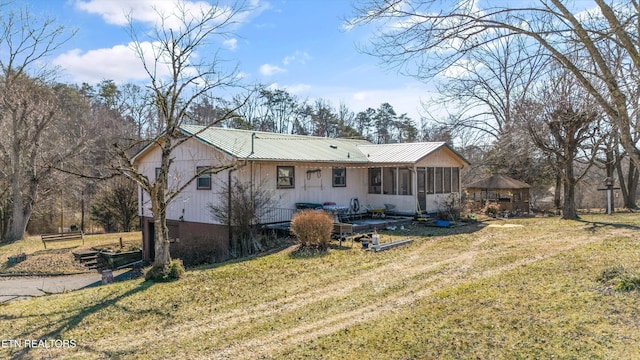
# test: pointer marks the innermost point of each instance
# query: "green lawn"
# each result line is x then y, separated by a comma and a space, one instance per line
531, 289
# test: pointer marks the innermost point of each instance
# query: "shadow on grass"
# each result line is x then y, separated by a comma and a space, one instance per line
428, 230
72, 319
596, 225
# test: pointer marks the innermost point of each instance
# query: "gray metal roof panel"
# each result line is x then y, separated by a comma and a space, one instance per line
283, 147
400, 152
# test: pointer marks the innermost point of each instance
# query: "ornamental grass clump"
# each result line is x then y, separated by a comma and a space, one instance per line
312, 228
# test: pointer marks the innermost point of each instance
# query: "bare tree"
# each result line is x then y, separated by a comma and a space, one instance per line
37, 126
563, 121
116, 205
174, 53
242, 205
482, 87
426, 37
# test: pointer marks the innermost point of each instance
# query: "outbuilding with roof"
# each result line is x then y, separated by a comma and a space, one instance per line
512, 195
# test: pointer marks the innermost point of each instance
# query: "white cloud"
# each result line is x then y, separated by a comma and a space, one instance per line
119, 63
231, 44
268, 70
158, 13
299, 56
147, 11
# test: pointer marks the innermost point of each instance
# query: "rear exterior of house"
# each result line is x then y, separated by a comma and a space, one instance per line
354, 175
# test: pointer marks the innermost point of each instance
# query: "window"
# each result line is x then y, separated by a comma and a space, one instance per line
439, 187
447, 179
405, 182
389, 181
455, 179
286, 179
204, 180
430, 180
375, 180
339, 177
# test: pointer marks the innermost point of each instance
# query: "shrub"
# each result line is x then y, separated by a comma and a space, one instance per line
173, 271
249, 202
312, 228
491, 208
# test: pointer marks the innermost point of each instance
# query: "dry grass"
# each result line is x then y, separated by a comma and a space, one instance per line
58, 258
471, 292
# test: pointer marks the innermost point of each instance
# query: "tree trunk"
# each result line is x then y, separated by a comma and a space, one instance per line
628, 187
20, 215
159, 209
569, 197
569, 202
162, 256
557, 193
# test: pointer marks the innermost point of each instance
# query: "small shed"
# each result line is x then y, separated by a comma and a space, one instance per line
511, 194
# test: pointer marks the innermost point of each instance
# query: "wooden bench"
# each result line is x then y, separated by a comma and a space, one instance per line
73, 235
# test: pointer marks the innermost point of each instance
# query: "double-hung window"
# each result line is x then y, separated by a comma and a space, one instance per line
339, 177
204, 179
286, 177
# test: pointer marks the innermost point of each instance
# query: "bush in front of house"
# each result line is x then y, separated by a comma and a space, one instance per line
312, 228
173, 271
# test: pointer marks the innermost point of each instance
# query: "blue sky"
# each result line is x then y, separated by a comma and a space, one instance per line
297, 45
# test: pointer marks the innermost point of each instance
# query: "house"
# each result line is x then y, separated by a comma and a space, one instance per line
512, 195
355, 175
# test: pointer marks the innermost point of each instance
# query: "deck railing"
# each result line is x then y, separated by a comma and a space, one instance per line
277, 215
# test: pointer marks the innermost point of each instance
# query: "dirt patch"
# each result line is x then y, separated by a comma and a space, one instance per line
59, 261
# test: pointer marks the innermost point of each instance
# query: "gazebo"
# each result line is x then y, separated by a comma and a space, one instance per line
512, 195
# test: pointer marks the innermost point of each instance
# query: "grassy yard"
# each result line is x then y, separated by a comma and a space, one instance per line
504, 289
57, 258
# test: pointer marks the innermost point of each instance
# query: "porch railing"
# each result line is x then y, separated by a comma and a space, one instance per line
276, 215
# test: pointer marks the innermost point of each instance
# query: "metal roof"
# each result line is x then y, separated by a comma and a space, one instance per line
258, 145
266, 146
400, 152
